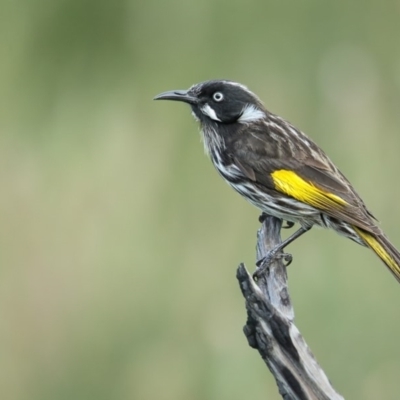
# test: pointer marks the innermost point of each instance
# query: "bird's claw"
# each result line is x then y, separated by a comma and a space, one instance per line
262, 217
288, 258
264, 263
289, 224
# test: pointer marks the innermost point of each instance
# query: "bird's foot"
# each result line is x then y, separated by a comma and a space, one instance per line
262, 217
273, 255
289, 224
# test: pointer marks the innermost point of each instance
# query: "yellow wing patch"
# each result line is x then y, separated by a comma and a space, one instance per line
379, 250
293, 185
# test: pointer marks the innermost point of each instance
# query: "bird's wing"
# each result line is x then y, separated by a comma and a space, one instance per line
313, 181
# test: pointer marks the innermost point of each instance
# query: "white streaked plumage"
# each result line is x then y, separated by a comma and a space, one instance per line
211, 140
195, 117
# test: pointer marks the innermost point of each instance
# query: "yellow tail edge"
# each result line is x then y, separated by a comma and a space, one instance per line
383, 249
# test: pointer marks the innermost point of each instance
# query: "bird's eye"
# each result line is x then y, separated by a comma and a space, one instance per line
218, 96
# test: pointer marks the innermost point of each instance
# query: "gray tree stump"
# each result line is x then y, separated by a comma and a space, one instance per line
270, 328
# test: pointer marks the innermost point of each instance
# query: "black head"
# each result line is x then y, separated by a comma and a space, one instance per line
219, 101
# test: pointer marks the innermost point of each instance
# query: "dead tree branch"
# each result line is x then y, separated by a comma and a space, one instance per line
270, 328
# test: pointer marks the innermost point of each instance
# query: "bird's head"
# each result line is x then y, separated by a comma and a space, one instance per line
219, 102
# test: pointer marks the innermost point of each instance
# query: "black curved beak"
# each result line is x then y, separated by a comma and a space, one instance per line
177, 95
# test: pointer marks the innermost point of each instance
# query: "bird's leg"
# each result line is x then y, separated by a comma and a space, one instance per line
272, 255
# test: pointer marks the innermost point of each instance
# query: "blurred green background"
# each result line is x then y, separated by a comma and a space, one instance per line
119, 242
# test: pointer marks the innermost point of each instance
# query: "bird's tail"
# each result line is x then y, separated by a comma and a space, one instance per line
382, 247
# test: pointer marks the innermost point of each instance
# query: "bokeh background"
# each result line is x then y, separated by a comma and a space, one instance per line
119, 242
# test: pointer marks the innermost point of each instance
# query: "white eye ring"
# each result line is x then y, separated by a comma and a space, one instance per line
218, 96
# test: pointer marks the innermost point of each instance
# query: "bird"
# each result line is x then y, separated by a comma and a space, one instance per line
278, 168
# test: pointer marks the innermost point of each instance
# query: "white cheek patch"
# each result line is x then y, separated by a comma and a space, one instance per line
207, 110
251, 113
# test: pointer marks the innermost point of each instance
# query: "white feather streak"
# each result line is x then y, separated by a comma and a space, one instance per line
251, 113
207, 110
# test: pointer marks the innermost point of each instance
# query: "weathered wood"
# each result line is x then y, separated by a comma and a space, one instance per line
270, 328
